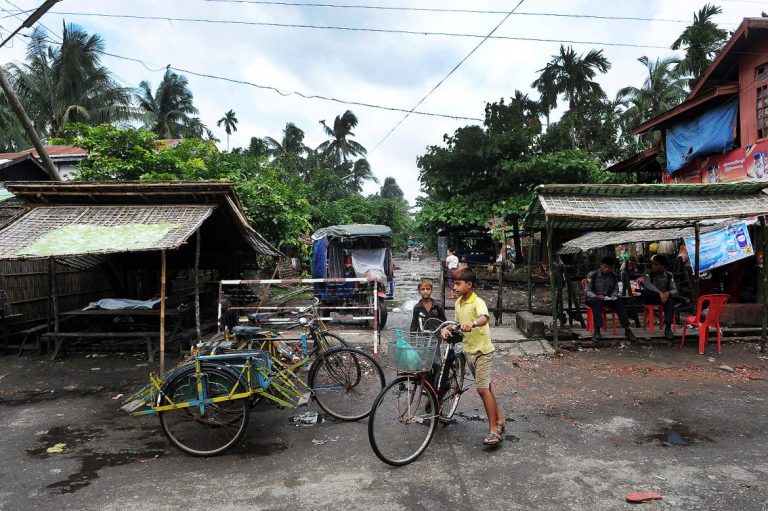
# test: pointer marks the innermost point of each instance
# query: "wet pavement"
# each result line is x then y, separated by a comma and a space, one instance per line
584, 429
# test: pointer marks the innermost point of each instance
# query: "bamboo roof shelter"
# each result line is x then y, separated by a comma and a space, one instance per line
612, 207
80, 224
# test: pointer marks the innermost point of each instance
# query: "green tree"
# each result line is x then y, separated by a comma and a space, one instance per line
290, 150
661, 90
361, 172
66, 83
169, 110
702, 40
572, 76
230, 124
340, 143
391, 190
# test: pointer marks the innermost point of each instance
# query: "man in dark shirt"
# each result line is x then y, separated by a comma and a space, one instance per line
659, 289
602, 290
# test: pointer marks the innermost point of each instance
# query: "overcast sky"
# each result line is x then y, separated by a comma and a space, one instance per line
392, 70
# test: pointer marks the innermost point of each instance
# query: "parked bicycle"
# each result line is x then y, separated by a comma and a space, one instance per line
204, 404
406, 412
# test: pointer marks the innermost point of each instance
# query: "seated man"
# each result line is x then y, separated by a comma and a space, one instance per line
659, 289
602, 290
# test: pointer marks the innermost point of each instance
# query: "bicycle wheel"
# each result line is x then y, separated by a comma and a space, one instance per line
218, 428
345, 382
451, 385
400, 428
328, 340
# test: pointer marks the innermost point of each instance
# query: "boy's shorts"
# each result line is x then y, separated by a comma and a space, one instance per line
480, 366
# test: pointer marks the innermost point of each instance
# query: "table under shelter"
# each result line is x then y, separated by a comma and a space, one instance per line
619, 210
138, 227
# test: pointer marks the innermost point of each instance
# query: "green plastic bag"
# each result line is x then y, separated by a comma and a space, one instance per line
406, 357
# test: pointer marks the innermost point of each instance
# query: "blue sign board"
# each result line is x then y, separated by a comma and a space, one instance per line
721, 247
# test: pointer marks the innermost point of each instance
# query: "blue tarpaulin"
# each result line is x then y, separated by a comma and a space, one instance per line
711, 132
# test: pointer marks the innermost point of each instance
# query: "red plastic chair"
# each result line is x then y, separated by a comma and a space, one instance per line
649, 313
591, 318
716, 305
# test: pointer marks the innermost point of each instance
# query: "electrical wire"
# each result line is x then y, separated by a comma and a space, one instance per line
351, 29
457, 66
446, 10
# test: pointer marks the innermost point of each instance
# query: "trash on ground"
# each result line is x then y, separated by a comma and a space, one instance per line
115, 398
305, 419
638, 497
319, 442
95, 368
727, 369
56, 449
3, 376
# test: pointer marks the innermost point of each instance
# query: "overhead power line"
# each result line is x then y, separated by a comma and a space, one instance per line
284, 93
457, 66
353, 29
446, 10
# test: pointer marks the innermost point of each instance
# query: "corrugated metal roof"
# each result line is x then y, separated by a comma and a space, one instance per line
630, 207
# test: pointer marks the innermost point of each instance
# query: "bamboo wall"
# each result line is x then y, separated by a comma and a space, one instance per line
27, 284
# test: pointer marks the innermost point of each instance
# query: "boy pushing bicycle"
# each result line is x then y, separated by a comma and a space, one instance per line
472, 314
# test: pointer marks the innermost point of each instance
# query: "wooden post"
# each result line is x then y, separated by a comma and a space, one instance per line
516, 238
500, 296
442, 285
162, 311
552, 283
198, 333
54, 295
530, 269
696, 263
764, 233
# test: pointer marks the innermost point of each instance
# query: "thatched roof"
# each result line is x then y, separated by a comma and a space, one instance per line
77, 218
630, 207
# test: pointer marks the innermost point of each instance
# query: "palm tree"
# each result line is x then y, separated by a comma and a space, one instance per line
661, 90
572, 76
339, 143
391, 190
702, 40
66, 83
230, 124
12, 137
168, 112
290, 150
361, 172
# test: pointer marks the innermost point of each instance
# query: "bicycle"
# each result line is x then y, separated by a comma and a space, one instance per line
405, 414
204, 404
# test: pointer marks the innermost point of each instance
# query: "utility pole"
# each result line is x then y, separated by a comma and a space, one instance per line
16, 105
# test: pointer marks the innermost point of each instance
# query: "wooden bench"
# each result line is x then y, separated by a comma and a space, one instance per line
35, 334
60, 337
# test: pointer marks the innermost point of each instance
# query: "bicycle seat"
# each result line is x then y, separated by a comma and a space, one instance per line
258, 317
248, 330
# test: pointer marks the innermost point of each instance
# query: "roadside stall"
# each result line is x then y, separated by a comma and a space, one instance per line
622, 209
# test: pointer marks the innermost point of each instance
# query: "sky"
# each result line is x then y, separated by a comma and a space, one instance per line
385, 69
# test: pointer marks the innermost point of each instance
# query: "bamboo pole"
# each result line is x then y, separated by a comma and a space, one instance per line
197, 288
162, 311
500, 296
552, 283
54, 295
530, 270
764, 232
516, 240
696, 263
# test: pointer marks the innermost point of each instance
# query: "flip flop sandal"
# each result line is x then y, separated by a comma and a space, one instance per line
492, 439
501, 426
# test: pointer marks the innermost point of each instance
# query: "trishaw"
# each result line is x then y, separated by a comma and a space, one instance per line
354, 250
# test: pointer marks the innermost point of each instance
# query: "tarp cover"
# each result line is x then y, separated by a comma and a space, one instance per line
114, 304
353, 230
369, 263
711, 132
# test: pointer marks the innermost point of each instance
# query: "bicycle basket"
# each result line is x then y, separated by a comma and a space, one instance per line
410, 352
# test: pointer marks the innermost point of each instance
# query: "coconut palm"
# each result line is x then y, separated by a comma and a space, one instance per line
340, 144
661, 90
572, 76
12, 136
702, 40
168, 111
290, 150
230, 124
360, 173
66, 83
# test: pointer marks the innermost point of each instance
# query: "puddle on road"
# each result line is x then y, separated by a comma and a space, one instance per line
675, 435
63, 441
247, 449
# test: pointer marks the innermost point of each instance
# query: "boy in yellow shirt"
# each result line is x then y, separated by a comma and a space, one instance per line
472, 314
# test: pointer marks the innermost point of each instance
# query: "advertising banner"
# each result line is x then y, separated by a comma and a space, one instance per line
748, 163
721, 247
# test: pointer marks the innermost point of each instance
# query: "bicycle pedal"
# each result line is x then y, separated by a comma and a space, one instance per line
304, 399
